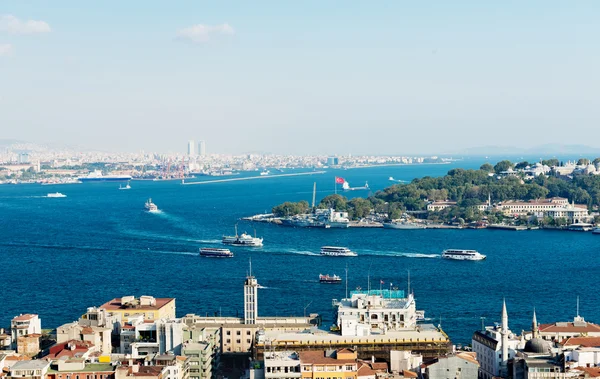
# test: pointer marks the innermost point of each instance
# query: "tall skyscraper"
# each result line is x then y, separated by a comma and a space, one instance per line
201, 148
191, 148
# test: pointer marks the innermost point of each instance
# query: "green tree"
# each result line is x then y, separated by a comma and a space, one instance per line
487, 167
337, 202
503, 166
521, 165
596, 161
583, 161
550, 162
359, 207
290, 209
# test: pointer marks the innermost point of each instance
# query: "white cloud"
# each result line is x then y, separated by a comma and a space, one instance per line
5, 49
12, 25
203, 33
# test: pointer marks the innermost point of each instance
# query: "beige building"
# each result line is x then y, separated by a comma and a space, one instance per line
512, 207
151, 308
437, 206
318, 364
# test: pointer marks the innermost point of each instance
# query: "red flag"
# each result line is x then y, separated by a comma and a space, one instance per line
382, 282
339, 180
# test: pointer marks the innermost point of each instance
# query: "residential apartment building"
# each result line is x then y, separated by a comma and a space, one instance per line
24, 325
34, 369
200, 355
329, 365
149, 307
459, 366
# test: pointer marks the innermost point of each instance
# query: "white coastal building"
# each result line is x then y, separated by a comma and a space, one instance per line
376, 311
24, 325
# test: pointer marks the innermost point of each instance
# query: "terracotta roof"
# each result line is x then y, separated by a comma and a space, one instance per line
582, 341
17, 358
468, 356
364, 370
25, 317
594, 372
569, 327
409, 374
319, 357
115, 304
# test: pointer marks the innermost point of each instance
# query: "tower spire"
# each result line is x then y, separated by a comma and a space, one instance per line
534, 326
504, 316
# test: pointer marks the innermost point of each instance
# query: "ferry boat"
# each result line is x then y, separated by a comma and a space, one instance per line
124, 188
215, 252
150, 206
97, 176
462, 255
336, 251
242, 240
402, 225
56, 194
329, 279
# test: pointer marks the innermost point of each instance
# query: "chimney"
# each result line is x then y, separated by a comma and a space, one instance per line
135, 368
372, 359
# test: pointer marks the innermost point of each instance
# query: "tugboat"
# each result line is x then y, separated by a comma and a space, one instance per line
242, 240
329, 279
124, 188
215, 252
150, 206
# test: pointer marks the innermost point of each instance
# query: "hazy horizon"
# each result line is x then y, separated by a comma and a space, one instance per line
300, 78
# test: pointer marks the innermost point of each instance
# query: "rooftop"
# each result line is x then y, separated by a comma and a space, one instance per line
25, 317
115, 304
36, 364
89, 367
576, 327
582, 341
320, 358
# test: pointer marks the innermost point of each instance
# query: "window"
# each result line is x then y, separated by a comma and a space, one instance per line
228, 341
248, 333
248, 341
238, 341
239, 333
229, 332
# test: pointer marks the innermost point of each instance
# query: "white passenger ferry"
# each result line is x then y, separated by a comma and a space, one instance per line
462, 255
335, 251
242, 240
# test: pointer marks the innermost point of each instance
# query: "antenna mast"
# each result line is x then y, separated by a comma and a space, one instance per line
408, 290
314, 195
577, 306
250, 259
346, 280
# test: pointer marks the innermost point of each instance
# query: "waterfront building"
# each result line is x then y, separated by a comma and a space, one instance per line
337, 364
437, 206
202, 148
5, 340
29, 345
376, 311
151, 308
190, 149
459, 366
23, 325
96, 335
560, 331
494, 346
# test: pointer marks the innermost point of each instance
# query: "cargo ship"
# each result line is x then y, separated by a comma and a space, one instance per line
97, 176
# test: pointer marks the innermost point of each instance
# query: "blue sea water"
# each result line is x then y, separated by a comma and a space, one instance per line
61, 255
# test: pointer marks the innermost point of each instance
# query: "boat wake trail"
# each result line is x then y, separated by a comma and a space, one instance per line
292, 251
399, 254
168, 252
203, 241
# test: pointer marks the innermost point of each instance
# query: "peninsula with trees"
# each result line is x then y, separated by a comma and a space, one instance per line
548, 193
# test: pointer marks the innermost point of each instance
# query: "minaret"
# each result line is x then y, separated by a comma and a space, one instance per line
534, 327
250, 298
504, 333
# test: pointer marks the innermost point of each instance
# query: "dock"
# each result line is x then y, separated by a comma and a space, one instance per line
507, 227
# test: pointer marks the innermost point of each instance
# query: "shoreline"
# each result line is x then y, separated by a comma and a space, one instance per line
253, 178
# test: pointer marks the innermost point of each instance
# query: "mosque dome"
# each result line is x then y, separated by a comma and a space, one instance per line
537, 345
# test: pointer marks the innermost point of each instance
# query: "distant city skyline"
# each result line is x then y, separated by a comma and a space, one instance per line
299, 78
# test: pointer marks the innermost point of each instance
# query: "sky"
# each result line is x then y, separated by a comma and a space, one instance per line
300, 77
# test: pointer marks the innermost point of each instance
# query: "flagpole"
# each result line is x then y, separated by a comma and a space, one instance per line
335, 185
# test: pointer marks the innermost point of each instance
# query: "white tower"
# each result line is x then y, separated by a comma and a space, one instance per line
504, 333
250, 298
201, 148
190, 148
